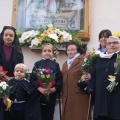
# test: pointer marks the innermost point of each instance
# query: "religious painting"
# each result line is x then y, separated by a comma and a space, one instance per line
65, 14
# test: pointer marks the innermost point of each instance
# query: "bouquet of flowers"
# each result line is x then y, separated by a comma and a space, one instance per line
2, 74
87, 67
112, 78
48, 35
46, 78
4, 93
4, 88
89, 61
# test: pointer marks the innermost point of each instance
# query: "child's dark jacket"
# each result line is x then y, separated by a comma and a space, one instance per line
24, 91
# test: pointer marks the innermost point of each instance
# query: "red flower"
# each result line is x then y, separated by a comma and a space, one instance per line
88, 55
4, 79
3, 72
52, 83
40, 83
47, 72
47, 68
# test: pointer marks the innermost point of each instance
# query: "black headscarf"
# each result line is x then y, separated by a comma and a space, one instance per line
17, 55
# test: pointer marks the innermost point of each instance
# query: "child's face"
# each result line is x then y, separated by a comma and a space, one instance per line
47, 52
19, 73
8, 37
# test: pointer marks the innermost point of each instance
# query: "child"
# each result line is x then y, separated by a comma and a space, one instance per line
47, 62
21, 95
10, 50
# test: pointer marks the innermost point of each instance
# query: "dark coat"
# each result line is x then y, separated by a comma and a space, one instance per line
48, 109
16, 57
26, 92
53, 66
106, 103
75, 103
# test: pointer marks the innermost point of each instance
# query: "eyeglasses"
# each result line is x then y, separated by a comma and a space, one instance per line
112, 43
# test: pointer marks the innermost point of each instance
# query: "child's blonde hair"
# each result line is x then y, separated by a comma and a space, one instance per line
22, 66
49, 45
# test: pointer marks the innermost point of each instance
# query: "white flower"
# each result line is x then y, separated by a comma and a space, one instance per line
50, 25
67, 36
28, 34
2, 83
53, 36
4, 87
34, 42
97, 52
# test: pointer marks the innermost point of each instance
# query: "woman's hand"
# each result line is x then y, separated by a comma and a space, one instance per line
8, 78
1, 75
43, 90
52, 90
86, 75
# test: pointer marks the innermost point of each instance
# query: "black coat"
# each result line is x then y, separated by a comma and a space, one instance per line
16, 57
48, 109
53, 66
26, 92
106, 103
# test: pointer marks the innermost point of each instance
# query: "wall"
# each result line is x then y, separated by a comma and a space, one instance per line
104, 14
5, 12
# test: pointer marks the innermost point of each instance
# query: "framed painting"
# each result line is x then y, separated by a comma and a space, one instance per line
65, 14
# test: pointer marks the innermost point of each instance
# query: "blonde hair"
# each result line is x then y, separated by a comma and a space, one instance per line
49, 45
22, 66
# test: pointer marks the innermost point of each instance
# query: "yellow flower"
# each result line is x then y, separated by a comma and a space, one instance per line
41, 38
9, 103
111, 78
48, 76
56, 52
61, 39
42, 76
117, 34
93, 52
45, 33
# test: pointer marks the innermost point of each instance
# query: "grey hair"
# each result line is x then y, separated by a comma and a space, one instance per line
114, 37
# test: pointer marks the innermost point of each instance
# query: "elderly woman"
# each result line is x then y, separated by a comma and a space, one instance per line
75, 102
107, 104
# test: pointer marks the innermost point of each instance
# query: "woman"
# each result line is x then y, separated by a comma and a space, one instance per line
103, 35
107, 104
75, 102
10, 51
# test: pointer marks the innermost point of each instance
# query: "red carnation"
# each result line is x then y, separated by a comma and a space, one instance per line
40, 83
47, 68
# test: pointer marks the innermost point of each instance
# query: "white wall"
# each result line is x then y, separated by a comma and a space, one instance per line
104, 14
5, 12
31, 57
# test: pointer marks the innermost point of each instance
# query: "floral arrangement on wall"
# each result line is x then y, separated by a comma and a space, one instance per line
55, 36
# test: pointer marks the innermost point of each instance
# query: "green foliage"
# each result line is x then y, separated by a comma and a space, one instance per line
117, 64
89, 62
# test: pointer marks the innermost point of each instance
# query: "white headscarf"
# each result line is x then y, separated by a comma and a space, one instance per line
70, 60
